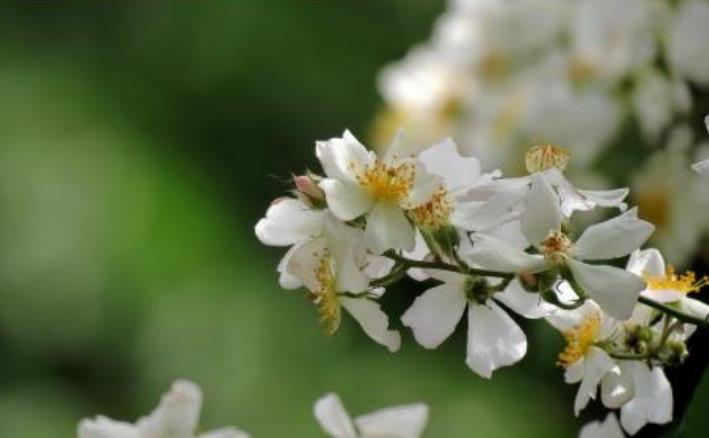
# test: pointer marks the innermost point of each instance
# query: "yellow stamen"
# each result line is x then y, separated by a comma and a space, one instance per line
388, 182
326, 297
545, 157
685, 283
435, 213
578, 340
555, 247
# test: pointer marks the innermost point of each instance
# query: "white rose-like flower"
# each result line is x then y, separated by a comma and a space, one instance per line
176, 416
584, 361
359, 183
609, 428
687, 48
494, 338
407, 421
614, 289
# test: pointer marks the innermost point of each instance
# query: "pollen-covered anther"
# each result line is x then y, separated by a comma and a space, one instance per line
578, 340
544, 157
435, 213
556, 246
326, 296
388, 182
685, 283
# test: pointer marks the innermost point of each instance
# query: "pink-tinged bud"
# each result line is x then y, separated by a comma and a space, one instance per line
306, 185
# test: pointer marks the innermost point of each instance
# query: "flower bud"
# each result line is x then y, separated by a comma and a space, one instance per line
307, 189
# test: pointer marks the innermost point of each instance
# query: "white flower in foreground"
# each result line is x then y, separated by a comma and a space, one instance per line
359, 183
406, 421
585, 362
289, 222
494, 338
615, 290
641, 391
665, 286
609, 428
331, 267
176, 416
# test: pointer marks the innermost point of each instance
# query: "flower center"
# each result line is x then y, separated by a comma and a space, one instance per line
326, 297
555, 247
434, 214
578, 340
685, 283
545, 157
388, 182
654, 206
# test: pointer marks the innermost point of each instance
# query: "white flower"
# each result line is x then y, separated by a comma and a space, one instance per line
701, 166
289, 222
407, 421
359, 183
584, 361
664, 285
687, 48
331, 267
656, 100
176, 416
609, 428
494, 339
615, 290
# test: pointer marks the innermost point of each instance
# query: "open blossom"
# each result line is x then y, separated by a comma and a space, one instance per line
332, 267
494, 338
358, 182
615, 290
407, 421
176, 416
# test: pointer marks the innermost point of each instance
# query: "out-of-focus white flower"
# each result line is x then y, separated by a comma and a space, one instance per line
584, 361
669, 194
494, 339
687, 48
331, 267
656, 99
406, 421
176, 416
609, 428
665, 286
701, 166
359, 183
289, 222
615, 290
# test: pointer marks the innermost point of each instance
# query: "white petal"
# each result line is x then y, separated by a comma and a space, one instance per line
347, 201
565, 320
530, 305
701, 166
653, 398
484, 215
616, 388
177, 414
227, 432
373, 321
443, 159
491, 253
541, 211
347, 248
695, 308
613, 238
434, 315
596, 364
305, 259
424, 186
387, 228
333, 417
614, 290
102, 427
406, 421
646, 262
574, 372
342, 158
494, 339
288, 221
607, 198
285, 279
419, 252
608, 429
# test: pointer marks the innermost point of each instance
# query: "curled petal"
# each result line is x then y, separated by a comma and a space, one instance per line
373, 321
333, 417
613, 238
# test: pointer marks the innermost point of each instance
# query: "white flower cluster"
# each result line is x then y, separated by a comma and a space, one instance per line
498, 74
491, 245
178, 413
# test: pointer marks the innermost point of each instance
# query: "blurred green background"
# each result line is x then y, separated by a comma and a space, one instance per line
139, 145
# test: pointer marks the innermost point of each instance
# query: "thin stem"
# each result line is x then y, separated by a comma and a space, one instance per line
669, 310
444, 266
